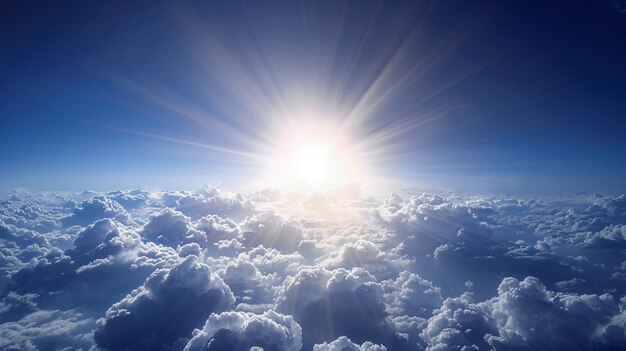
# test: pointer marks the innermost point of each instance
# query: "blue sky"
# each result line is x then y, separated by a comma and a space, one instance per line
526, 96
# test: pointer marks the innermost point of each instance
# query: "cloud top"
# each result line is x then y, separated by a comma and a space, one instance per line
211, 270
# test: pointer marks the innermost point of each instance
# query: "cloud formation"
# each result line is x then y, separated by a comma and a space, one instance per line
169, 305
177, 270
241, 331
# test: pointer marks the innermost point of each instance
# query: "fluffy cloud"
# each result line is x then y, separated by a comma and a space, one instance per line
130, 200
272, 261
525, 316
21, 237
366, 254
271, 230
95, 208
212, 201
210, 269
217, 229
459, 324
170, 304
613, 334
47, 330
240, 331
432, 220
344, 344
330, 304
106, 255
412, 295
529, 316
172, 228
248, 284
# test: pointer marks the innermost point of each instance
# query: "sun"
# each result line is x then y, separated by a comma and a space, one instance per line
312, 163
313, 154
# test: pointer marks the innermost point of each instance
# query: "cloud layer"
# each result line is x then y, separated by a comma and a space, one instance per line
212, 270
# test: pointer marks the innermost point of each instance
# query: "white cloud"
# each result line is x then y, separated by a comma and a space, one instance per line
344, 344
240, 331
412, 295
172, 228
271, 230
170, 304
47, 329
96, 208
264, 269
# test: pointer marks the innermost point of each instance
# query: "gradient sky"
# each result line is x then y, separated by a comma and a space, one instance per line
524, 96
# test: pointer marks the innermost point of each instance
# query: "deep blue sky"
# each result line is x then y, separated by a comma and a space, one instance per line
528, 96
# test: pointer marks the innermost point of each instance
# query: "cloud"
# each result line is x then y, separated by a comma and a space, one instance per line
172, 228
424, 222
247, 282
240, 331
531, 317
217, 229
524, 316
459, 324
412, 295
610, 237
331, 304
613, 334
212, 201
167, 270
272, 261
95, 234
106, 255
93, 209
170, 304
21, 237
47, 330
366, 254
344, 344
130, 200
272, 231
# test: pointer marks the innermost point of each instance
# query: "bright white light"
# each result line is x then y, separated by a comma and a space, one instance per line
311, 155
312, 163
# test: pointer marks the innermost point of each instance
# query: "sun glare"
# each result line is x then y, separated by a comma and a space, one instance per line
312, 163
309, 155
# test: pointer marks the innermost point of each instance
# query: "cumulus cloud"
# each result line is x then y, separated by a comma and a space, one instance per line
430, 221
344, 344
330, 304
212, 201
523, 316
170, 304
130, 200
531, 317
248, 284
459, 324
93, 209
366, 254
217, 229
272, 261
209, 269
47, 330
272, 231
412, 295
241, 331
172, 228
106, 256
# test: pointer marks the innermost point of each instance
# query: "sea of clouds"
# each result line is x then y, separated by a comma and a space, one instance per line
212, 270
